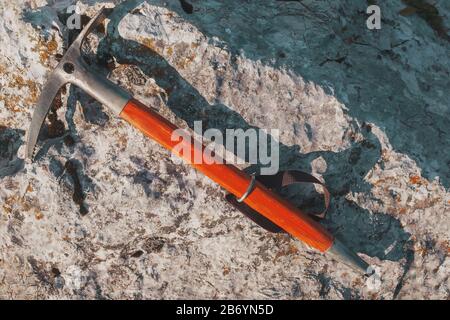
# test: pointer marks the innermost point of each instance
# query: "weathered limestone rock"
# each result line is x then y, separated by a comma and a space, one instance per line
106, 213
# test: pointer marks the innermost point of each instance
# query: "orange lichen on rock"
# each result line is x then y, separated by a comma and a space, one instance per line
29, 188
226, 271
11, 102
39, 216
46, 49
416, 180
156, 46
19, 82
10, 202
18, 203
445, 246
185, 61
150, 43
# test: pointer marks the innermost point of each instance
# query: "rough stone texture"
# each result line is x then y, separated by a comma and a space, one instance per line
105, 213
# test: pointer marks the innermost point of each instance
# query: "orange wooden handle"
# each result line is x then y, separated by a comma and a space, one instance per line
235, 181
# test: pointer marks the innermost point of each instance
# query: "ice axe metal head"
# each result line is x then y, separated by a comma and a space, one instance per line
74, 70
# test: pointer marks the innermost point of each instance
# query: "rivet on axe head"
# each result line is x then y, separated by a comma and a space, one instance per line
74, 70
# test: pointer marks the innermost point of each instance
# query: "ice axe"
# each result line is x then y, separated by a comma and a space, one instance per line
246, 189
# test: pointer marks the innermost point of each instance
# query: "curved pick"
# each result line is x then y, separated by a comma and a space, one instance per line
58, 78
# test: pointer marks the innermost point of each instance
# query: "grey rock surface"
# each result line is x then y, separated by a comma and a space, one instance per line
105, 213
